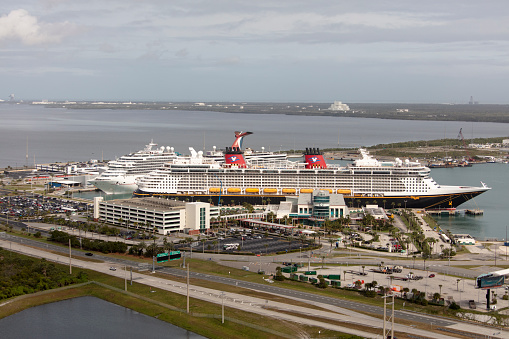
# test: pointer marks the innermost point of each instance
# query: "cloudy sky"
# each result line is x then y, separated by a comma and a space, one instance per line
245, 50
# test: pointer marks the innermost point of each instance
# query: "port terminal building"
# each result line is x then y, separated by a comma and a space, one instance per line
166, 216
312, 208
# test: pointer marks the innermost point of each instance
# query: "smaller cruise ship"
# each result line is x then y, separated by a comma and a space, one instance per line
121, 175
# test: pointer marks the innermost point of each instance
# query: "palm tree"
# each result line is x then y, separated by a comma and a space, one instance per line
290, 238
332, 241
302, 238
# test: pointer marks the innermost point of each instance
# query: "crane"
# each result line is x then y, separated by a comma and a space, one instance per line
460, 136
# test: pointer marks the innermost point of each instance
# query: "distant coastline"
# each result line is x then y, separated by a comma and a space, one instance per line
398, 111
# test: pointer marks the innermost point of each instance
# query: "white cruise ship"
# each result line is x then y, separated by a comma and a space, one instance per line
366, 181
121, 175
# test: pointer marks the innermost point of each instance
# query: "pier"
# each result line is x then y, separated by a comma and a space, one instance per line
454, 211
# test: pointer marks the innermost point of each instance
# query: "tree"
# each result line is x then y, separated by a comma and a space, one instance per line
279, 275
289, 238
332, 241
322, 283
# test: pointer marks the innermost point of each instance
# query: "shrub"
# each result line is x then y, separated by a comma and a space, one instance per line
370, 294
454, 306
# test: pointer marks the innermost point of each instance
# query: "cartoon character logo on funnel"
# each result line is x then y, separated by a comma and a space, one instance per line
233, 158
313, 160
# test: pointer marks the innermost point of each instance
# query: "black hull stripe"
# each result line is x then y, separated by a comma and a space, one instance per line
452, 200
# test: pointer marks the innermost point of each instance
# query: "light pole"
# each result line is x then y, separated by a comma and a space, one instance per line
222, 308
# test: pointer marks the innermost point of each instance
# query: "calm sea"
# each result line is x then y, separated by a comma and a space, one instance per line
58, 134
85, 318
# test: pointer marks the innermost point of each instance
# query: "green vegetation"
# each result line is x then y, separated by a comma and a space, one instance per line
88, 244
22, 275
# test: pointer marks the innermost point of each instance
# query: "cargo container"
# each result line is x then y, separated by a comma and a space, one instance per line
336, 283
310, 273
303, 278
334, 276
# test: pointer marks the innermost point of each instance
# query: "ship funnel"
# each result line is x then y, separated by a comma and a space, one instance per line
234, 158
314, 158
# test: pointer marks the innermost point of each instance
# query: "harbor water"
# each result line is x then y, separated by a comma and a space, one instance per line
493, 223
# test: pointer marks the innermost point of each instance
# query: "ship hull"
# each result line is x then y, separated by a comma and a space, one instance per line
114, 187
439, 201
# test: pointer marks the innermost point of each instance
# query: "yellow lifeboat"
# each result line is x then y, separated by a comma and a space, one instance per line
252, 190
306, 190
344, 191
326, 189
214, 190
289, 190
269, 190
233, 190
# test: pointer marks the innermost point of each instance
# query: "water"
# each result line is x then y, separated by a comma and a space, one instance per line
494, 202
84, 318
59, 134
56, 134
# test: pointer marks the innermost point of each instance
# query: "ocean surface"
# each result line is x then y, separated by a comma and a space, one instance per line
59, 134
85, 318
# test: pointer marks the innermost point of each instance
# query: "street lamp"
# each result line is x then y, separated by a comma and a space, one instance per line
222, 308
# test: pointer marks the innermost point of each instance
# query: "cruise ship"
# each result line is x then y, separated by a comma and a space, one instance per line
121, 175
367, 181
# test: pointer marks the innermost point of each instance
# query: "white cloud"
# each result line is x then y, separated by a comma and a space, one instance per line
20, 26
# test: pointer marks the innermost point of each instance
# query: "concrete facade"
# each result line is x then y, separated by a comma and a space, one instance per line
165, 215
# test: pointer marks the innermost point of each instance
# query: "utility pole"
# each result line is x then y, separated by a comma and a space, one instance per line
70, 265
222, 308
187, 288
391, 318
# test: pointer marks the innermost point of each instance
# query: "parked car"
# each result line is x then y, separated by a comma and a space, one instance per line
113, 268
89, 254
431, 275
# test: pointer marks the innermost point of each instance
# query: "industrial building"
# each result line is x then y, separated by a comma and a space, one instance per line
166, 216
339, 106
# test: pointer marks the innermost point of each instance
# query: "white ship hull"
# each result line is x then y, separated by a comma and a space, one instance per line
119, 185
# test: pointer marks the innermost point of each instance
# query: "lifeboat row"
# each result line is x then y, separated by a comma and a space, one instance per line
253, 190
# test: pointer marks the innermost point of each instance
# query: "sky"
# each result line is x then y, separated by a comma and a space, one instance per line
273, 51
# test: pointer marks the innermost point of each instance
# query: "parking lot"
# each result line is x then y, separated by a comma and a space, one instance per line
38, 205
251, 243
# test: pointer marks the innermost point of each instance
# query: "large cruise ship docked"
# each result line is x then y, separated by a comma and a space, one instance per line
366, 181
121, 175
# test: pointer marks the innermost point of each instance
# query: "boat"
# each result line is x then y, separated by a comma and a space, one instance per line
121, 175
367, 181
